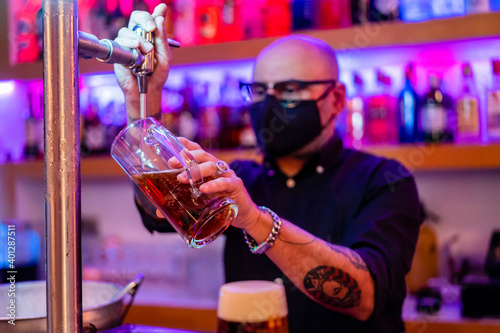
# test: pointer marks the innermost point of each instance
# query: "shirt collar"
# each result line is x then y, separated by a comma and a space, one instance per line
327, 157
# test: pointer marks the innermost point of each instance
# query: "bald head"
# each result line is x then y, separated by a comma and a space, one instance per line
296, 57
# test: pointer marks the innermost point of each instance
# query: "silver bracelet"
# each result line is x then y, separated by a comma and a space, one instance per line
265, 245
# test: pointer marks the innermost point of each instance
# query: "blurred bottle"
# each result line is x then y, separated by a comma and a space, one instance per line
94, 132
408, 109
477, 6
97, 20
334, 14
116, 20
208, 13
28, 48
230, 111
447, 8
354, 121
415, 10
170, 17
231, 23
380, 116
436, 113
383, 10
208, 117
187, 123
248, 139
304, 14
468, 116
33, 130
185, 22
253, 14
493, 103
359, 11
278, 18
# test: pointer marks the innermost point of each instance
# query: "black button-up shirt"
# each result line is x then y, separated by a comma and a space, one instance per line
345, 197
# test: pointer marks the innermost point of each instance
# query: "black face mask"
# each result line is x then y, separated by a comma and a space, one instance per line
282, 130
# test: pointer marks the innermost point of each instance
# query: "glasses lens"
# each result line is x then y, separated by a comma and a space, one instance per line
288, 90
245, 92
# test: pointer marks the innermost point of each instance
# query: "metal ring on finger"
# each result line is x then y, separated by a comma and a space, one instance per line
221, 167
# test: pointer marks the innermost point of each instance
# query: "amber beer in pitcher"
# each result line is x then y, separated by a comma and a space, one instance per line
252, 307
199, 216
153, 157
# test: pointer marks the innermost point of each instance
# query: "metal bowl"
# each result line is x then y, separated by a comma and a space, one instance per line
102, 303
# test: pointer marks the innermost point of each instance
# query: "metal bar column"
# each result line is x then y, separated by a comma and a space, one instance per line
62, 166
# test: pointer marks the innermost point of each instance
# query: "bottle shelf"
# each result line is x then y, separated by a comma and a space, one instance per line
377, 34
416, 157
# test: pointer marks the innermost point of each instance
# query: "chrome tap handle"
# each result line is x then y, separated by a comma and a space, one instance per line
108, 51
147, 66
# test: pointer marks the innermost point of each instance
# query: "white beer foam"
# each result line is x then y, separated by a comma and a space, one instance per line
252, 301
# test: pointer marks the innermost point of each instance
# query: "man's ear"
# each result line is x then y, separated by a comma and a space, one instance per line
339, 102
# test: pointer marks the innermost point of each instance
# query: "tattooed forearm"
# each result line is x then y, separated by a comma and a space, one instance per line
332, 287
352, 256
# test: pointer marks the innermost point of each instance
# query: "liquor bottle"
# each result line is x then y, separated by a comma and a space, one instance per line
304, 14
115, 21
231, 113
253, 18
278, 18
185, 23
468, 116
415, 10
34, 133
230, 22
208, 117
334, 14
359, 11
383, 10
380, 117
187, 124
493, 103
207, 16
447, 8
354, 122
408, 109
94, 137
28, 49
435, 113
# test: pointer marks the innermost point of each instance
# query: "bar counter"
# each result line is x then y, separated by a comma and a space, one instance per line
168, 319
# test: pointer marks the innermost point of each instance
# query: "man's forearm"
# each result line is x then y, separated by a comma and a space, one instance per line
334, 276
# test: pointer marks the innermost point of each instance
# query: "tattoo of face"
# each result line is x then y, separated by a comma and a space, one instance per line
352, 256
332, 286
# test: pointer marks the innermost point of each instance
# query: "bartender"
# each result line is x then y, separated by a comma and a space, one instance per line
336, 225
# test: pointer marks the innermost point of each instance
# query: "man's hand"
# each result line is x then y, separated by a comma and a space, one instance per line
163, 58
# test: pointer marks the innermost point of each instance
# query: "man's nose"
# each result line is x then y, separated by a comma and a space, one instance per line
270, 89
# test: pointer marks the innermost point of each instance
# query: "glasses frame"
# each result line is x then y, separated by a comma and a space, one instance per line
246, 88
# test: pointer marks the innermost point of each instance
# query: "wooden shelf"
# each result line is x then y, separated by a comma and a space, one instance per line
386, 34
442, 156
414, 157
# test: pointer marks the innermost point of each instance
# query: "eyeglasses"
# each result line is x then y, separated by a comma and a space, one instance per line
285, 90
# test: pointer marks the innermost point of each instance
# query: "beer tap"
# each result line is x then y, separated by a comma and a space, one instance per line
109, 51
144, 70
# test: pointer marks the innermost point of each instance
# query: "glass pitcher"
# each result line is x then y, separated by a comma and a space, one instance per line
145, 150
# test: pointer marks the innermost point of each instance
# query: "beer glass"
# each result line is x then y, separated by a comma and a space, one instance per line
151, 156
252, 306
